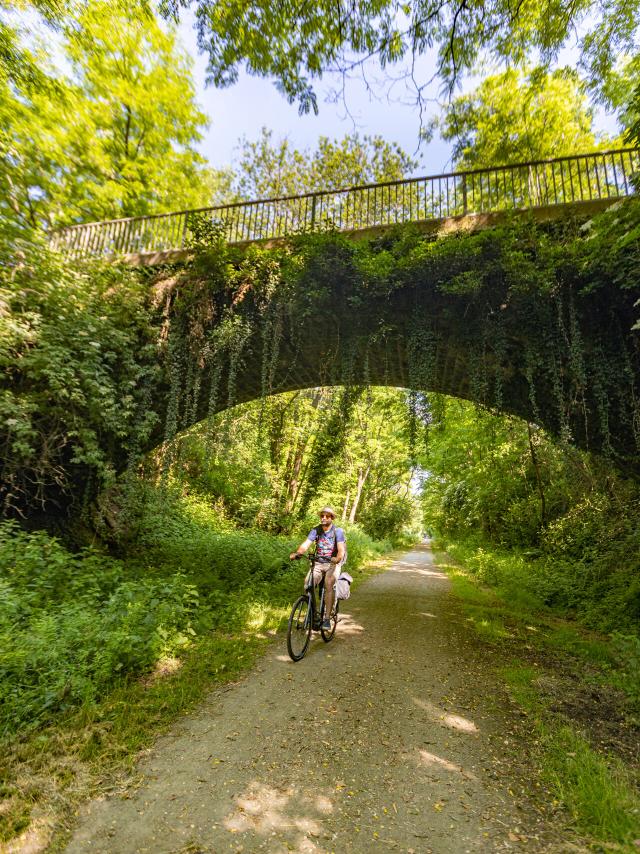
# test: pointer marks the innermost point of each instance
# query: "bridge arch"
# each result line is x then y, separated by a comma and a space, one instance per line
508, 318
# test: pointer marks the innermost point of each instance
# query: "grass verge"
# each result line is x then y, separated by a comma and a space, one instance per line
554, 665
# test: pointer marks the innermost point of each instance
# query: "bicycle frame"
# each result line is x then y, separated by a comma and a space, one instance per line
315, 612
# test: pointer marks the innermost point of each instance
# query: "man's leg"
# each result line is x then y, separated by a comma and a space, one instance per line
317, 578
329, 582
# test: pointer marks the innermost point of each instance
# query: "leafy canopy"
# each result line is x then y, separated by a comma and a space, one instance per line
295, 44
76, 355
113, 137
17, 63
267, 168
519, 116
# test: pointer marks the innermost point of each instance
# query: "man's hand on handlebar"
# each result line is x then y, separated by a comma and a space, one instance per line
295, 556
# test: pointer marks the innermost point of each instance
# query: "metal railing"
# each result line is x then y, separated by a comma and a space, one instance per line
562, 180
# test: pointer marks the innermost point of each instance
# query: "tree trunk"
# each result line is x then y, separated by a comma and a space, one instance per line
536, 468
293, 481
346, 504
362, 476
296, 480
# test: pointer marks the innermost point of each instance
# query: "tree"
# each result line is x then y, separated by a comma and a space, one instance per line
520, 116
622, 94
484, 473
17, 64
296, 44
633, 131
270, 462
77, 354
137, 95
116, 137
378, 469
620, 88
267, 169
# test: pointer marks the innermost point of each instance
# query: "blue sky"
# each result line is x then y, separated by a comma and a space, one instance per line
252, 103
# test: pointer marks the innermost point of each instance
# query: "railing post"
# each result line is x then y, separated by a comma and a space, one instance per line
185, 228
464, 195
530, 186
313, 210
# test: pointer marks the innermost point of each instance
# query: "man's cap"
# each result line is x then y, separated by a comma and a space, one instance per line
328, 510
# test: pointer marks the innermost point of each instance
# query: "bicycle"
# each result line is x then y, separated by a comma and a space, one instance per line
306, 616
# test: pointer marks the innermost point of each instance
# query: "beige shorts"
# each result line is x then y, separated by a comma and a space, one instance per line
318, 570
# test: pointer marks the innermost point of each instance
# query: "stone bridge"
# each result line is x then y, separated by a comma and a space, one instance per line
504, 317
491, 316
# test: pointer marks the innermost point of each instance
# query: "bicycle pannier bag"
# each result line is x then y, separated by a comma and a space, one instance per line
343, 586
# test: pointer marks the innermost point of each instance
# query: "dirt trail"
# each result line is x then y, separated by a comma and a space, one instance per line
395, 736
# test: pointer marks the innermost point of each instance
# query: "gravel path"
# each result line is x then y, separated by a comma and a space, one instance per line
395, 736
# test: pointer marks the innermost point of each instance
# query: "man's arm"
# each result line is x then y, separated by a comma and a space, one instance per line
302, 548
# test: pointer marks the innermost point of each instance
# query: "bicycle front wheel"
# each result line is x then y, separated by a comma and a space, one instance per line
299, 629
327, 634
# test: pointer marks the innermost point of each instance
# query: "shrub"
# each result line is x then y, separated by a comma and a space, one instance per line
72, 625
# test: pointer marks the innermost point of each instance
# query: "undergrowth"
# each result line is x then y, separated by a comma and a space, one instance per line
606, 601
598, 790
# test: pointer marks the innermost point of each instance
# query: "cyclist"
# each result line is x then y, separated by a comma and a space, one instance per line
330, 553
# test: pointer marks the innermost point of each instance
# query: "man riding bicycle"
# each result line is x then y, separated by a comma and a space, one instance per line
330, 553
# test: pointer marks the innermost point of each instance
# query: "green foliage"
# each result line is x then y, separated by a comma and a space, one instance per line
519, 116
70, 625
600, 587
541, 522
585, 562
18, 65
267, 169
75, 625
295, 46
273, 461
627, 674
620, 94
77, 357
113, 134
329, 444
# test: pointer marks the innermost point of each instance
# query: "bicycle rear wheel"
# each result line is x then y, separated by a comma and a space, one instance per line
327, 634
299, 628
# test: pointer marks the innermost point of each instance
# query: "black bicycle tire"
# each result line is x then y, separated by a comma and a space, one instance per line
292, 655
328, 635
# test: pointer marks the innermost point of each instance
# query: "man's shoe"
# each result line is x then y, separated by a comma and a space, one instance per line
327, 625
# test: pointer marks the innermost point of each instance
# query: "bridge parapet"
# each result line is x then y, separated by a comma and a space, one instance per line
601, 175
